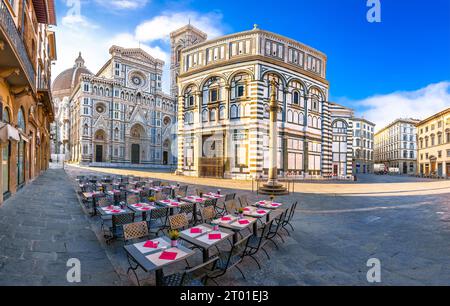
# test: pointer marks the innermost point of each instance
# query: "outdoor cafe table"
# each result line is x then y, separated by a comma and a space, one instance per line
268, 204
171, 204
236, 224
212, 195
148, 256
112, 210
257, 212
142, 208
92, 196
204, 237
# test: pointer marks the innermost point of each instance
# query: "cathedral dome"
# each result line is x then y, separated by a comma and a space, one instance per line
68, 79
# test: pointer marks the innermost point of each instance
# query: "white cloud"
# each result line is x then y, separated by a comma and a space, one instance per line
123, 4
77, 33
159, 27
418, 104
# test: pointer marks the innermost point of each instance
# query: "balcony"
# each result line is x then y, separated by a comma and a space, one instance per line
13, 53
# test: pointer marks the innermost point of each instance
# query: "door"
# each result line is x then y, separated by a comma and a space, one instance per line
439, 169
20, 162
98, 153
5, 166
405, 168
165, 158
335, 169
448, 170
135, 156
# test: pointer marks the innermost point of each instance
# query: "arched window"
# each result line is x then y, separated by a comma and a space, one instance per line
21, 120
295, 118
222, 113
289, 116
6, 118
296, 98
238, 88
212, 90
205, 115
234, 111
301, 119
116, 134
212, 115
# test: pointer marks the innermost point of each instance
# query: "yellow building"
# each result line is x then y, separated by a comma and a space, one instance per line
27, 49
434, 145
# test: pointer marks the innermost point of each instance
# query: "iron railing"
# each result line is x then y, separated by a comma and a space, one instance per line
9, 27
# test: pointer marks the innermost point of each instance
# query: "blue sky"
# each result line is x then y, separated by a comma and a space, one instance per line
404, 60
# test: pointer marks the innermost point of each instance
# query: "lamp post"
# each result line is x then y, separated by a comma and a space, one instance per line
273, 187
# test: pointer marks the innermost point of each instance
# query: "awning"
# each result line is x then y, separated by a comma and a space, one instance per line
7, 132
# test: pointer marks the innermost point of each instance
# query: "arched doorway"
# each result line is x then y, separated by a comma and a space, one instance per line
166, 148
21, 149
136, 133
99, 138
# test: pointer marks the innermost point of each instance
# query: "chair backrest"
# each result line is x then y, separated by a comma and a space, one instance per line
208, 213
291, 212
210, 202
159, 196
230, 196
135, 230
243, 201
122, 219
132, 199
199, 192
236, 250
178, 221
158, 213
187, 208
182, 191
167, 192
104, 201
230, 206
123, 195
279, 221
157, 183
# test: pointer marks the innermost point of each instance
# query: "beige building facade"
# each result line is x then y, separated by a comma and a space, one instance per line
434, 145
27, 50
396, 146
363, 145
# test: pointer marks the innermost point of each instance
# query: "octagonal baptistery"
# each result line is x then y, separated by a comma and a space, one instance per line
223, 118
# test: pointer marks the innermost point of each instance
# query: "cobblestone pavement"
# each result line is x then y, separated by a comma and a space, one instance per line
41, 227
405, 223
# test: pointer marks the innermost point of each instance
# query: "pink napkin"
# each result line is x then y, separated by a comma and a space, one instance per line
174, 204
198, 200
244, 222
138, 205
246, 209
214, 236
115, 211
168, 255
225, 219
151, 244
145, 208
166, 201
196, 230
261, 212
276, 204
261, 202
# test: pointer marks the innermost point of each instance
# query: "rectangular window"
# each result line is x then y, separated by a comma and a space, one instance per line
240, 90
213, 96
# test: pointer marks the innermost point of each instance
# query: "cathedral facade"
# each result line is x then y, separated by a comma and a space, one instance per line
119, 116
223, 106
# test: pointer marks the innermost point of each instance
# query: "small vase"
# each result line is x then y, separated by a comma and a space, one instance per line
241, 216
173, 243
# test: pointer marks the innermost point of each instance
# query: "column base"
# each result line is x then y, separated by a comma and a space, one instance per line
273, 188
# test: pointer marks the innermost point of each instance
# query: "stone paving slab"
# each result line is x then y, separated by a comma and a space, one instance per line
41, 227
338, 230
